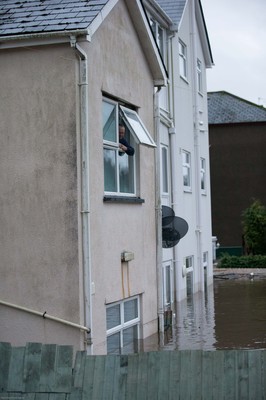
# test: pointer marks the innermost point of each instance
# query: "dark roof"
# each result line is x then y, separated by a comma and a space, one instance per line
226, 108
20, 17
173, 8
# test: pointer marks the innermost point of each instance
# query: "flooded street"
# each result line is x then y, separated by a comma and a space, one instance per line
230, 315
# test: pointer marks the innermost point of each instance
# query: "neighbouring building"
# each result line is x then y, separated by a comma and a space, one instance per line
182, 37
238, 164
83, 258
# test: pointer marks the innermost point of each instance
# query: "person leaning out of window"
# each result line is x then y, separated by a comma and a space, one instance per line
124, 146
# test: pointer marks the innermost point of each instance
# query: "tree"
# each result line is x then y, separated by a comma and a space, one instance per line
254, 228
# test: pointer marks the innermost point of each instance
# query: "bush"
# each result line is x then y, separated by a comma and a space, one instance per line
254, 228
227, 261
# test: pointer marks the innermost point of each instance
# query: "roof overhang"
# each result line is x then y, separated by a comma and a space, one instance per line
142, 26
203, 35
150, 49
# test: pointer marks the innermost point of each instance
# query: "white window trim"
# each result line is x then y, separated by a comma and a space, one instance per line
164, 147
205, 257
164, 267
183, 57
203, 172
156, 27
136, 127
114, 145
124, 325
199, 76
187, 188
190, 260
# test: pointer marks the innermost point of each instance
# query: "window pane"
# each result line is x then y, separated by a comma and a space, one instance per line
114, 344
109, 122
130, 310
126, 173
113, 317
167, 284
110, 179
202, 180
137, 128
164, 170
182, 60
186, 176
130, 340
160, 40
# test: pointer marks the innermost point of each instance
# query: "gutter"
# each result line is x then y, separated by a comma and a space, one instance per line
85, 196
27, 36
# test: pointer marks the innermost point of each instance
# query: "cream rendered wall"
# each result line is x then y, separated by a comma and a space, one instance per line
117, 66
38, 188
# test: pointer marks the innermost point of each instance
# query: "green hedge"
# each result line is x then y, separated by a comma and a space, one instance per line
242, 262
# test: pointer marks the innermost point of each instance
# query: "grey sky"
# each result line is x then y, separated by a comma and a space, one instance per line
237, 33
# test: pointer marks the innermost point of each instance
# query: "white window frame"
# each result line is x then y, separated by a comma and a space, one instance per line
203, 175
113, 145
182, 49
186, 165
167, 268
199, 75
136, 126
159, 34
139, 134
124, 325
165, 170
189, 263
205, 259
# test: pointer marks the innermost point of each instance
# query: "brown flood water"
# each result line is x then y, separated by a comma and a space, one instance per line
230, 315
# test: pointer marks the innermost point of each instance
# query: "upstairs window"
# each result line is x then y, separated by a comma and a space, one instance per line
199, 76
186, 164
203, 175
159, 35
123, 131
183, 60
164, 167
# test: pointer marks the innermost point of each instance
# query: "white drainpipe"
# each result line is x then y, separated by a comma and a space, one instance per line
85, 194
160, 307
196, 146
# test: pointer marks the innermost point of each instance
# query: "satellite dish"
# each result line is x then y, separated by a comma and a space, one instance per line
170, 237
173, 228
168, 215
181, 226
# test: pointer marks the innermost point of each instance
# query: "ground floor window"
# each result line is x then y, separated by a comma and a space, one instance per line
189, 263
167, 284
122, 320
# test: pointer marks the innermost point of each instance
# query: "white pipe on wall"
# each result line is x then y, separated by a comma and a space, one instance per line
45, 316
85, 197
160, 306
196, 147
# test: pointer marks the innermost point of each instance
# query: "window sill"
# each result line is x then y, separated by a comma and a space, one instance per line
123, 199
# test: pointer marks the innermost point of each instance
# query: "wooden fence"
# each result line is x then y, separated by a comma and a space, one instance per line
47, 372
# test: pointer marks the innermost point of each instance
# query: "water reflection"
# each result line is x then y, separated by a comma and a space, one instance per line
230, 314
240, 314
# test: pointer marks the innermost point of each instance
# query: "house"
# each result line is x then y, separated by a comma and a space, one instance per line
182, 37
85, 256
78, 226
238, 164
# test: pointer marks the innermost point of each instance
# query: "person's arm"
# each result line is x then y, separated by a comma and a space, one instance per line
129, 150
